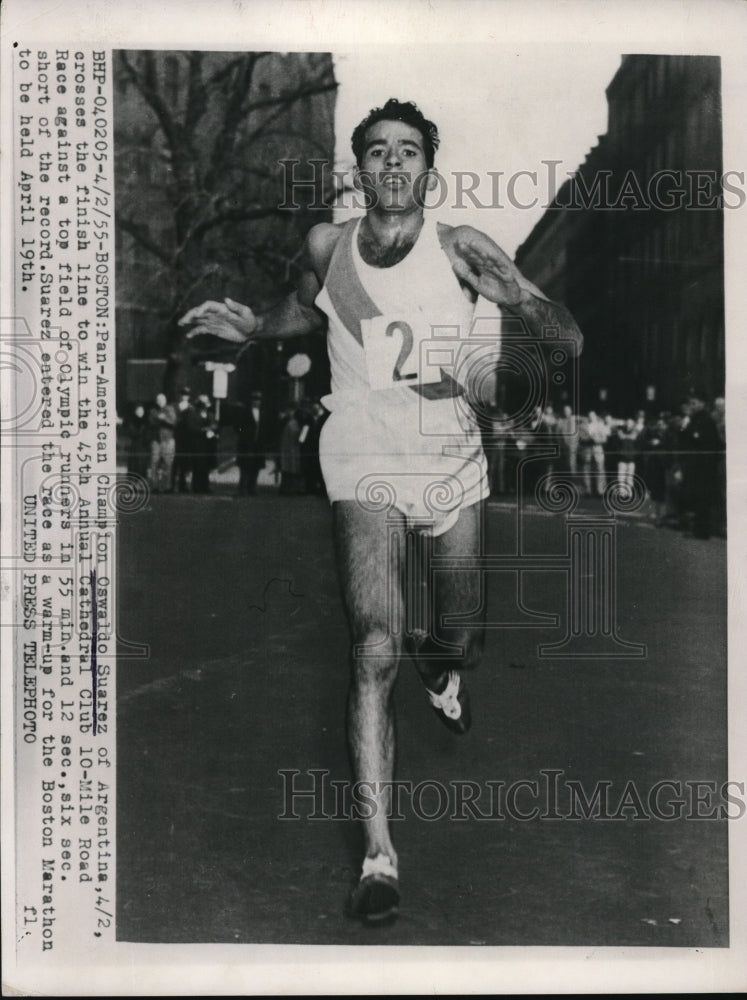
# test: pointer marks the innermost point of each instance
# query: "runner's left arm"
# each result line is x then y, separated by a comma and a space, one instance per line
478, 261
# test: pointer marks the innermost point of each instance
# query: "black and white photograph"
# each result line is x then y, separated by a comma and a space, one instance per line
412, 575
579, 776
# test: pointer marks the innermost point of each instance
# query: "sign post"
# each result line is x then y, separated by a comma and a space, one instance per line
220, 372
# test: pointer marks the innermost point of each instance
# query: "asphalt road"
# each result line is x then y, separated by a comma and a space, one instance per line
246, 676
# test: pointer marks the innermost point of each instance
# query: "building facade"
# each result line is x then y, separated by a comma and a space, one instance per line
633, 242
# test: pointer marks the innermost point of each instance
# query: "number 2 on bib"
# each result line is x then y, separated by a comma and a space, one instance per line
405, 351
396, 351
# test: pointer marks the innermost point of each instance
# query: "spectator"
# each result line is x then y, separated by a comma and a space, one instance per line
311, 426
611, 446
627, 448
183, 438
291, 479
138, 454
593, 457
498, 431
205, 444
250, 456
523, 468
702, 449
585, 452
518, 439
544, 425
656, 447
676, 498
568, 436
161, 425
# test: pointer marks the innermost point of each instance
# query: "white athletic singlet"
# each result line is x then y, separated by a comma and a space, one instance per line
396, 445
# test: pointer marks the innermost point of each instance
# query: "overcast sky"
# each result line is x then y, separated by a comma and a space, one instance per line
497, 109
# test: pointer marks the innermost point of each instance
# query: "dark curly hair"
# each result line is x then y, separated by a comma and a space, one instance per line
399, 111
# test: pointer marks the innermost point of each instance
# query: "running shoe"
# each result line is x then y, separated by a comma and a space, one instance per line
452, 705
375, 900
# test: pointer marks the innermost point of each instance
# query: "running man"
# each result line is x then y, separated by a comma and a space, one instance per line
401, 449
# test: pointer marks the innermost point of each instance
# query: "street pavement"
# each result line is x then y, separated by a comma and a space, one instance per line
246, 675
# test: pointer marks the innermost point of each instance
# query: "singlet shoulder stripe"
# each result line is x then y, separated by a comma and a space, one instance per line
351, 301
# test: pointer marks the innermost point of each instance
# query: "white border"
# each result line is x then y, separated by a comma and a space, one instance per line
706, 27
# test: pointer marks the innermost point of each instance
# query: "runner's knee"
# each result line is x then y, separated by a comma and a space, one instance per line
376, 654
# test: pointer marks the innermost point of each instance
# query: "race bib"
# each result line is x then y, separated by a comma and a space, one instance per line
404, 350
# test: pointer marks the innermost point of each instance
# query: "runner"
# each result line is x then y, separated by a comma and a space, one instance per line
401, 450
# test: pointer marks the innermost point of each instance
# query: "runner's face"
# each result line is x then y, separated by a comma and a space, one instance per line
393, 167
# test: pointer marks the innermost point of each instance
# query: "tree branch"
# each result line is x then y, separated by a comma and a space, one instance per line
232, 116
229, 67
296, 134
290, 97
142, 234
148, 89
236, 215
283, 107
196, 94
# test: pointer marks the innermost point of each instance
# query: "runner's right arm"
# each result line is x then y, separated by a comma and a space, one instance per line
295, 316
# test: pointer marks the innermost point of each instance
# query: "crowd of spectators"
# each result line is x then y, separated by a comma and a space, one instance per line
679, 458
176, 445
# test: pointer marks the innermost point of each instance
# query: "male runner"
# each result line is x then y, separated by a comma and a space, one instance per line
401, 448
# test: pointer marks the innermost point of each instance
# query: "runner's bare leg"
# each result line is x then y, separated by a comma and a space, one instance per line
370, 579
454, 592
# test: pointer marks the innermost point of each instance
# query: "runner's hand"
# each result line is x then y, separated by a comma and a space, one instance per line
228, 320
483, 265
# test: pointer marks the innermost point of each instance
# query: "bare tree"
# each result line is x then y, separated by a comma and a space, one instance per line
199, 142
